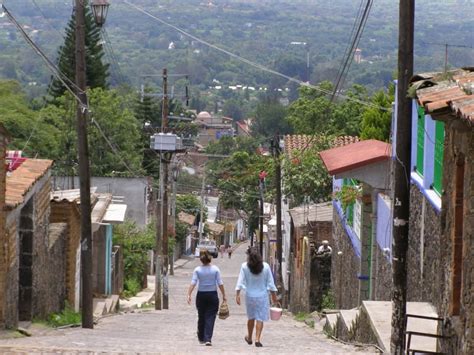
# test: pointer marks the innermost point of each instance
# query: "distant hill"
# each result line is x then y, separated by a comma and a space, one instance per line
260, 31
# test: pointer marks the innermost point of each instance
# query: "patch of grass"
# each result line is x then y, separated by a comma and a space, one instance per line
66, 317
131, 287
301, 316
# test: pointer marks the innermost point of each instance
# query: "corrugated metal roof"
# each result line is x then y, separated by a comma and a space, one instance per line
447, 96
115, 213
73, 195
321, 212
20, 181
356, 155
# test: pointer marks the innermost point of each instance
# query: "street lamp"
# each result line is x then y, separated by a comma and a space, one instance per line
100, 9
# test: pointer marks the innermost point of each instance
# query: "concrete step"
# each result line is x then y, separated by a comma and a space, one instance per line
111, 303
379, 315
346, 323
99, 307
330, 325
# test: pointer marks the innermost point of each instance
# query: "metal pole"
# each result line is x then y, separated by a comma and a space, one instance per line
173, 214
401, 206
158, 247
260, 232
201, 220
164, 210
279, 238
84, 172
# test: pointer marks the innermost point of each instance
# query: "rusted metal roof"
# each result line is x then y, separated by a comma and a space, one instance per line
186, 218
356, 155
20, 181
215, 228
447, 97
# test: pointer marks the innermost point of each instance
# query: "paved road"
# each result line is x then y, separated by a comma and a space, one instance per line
173, 331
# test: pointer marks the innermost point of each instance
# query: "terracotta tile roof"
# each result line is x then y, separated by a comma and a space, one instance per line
296, 143
447, 97
344, 140
20, 181
244, 127
356, 155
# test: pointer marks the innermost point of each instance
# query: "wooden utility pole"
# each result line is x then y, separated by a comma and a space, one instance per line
158, 249
401, 206
279, 239
260, 219
164, 209
84, 172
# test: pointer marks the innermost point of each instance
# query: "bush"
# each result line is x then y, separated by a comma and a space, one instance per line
66, 317
328, 301
135, 245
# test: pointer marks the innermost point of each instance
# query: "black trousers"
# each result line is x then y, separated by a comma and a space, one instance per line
207, 304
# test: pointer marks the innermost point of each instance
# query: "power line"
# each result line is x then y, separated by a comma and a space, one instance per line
249, 62
350, 52
56, 71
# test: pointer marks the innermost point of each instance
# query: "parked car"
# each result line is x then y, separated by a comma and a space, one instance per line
210, 246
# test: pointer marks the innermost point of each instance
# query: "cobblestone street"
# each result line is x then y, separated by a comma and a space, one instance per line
173, 331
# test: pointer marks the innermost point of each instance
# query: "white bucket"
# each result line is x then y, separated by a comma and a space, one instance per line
275, 313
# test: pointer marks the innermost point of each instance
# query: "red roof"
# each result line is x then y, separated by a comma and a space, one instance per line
20, 181
355, 155
452, 96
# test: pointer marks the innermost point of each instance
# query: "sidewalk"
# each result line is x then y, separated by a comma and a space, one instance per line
146, 296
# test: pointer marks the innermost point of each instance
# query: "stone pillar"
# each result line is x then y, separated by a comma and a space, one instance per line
365, 242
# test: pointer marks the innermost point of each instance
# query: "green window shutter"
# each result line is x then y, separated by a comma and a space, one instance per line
350, 214
420, 140
438, 158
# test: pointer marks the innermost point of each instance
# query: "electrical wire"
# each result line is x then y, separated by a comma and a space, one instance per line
350, 54
56, 72
247, 61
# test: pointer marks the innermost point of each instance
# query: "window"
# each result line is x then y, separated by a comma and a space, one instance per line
438, 157
420, 141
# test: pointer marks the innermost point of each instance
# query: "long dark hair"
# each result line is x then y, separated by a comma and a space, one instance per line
254, 261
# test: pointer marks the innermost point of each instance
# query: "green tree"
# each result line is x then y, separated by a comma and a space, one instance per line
33, 132
234, 108
96, 70
376, 122
305, 174
311, 113
270, 118
228, 145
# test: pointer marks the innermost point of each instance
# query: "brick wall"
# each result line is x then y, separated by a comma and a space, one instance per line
344, 268
49, 272
67, 212
459, 328
11, 277
3, 264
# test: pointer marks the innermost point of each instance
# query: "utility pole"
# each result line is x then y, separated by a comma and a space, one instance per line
279, 239
401, 206
260, 219
158, 247
84, 171
164, 208
201, 216
175, 171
